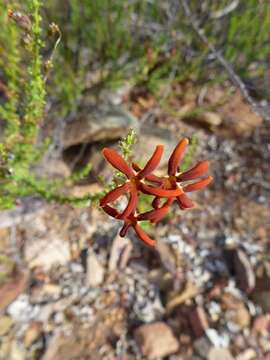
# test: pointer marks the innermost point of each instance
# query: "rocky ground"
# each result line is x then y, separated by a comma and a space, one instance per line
71, 288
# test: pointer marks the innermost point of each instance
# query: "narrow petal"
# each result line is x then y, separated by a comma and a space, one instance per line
115, 194
150, 177
110, 211
143, 236
156, 202
117, 161
198, 170
161, 192
131, 206
156, 214
124, 229
198, 185
177, 156
152, 163
184, 202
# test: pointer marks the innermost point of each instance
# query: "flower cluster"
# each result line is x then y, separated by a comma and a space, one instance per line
165, 189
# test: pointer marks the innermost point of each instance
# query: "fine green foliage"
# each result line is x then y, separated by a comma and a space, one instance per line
9, 61
106, 43
191, 152
126, 144
22, 111
249, 31
240, 33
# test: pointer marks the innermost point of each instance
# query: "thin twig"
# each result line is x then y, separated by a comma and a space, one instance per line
225, 11
257, 108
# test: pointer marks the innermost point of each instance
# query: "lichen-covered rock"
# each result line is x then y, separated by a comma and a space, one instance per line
98, 125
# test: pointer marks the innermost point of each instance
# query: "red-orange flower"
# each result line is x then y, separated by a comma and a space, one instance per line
134, 183
143, 180
173, 183
130, 221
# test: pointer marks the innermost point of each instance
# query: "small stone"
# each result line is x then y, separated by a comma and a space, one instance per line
176, 299
264, 344
118, 248
95, 271
239, 316
184, 339
244, 273
262, 298
21, 309
239, 342
219, 354
10, 290
45, 292
167, 255
59, 318
15, 352
11, 349
55, 251
249, 354
217, 339
6, 323
198, 321
202, 346
32, 333
156, 340
261, 325
4, 239
211, 119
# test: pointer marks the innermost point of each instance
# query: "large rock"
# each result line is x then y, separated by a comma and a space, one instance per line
150, 137
98, 124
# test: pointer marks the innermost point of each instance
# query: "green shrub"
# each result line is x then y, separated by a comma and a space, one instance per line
22, 111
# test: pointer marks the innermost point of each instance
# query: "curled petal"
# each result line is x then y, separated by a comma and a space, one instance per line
177, 156
131, 206
157, 214
161, 192
198, 185
143, 236
156, 202
110, 211
198, 170
184, 202
124, 229
117, 161
114, 194
152, 163
150, 177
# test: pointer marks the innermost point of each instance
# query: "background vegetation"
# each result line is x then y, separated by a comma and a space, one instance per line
57, 52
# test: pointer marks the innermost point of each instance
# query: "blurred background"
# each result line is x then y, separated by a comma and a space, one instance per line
78, 76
